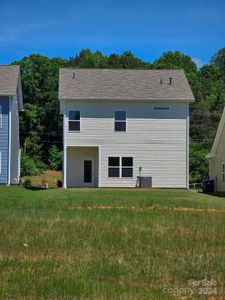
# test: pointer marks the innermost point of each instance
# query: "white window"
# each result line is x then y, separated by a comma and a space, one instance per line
114, 166
161, 108
127, 166
120, 167
74, 120
0, 162
223, 172
120, 121
0, 116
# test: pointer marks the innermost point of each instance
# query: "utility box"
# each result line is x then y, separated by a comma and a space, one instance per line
145, 182
208, 186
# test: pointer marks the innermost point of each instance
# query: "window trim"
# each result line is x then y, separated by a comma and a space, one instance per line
127, 167
113, 167
75, 121
1, 116
223, 171
120, 166
120, 121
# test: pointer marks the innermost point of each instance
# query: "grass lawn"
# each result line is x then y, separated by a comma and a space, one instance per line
109, 243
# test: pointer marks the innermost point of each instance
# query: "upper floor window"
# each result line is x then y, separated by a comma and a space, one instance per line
120, 121
0, 116
74, 120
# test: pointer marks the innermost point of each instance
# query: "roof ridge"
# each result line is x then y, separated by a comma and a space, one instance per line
5, 65
118, 69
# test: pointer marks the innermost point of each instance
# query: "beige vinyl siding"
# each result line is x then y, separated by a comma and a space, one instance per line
75, 165
155, 139
216, 167
15, 144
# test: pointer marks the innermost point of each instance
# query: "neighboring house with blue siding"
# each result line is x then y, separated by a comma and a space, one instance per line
11, 102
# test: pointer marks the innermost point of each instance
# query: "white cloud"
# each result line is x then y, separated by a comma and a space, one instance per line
198, 62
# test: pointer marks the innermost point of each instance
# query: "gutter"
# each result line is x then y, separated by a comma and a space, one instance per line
210, 156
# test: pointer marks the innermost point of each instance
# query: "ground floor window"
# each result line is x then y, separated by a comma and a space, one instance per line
120, 166
127, 166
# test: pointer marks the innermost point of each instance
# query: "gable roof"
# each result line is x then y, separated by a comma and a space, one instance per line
10, 82
217, 137
123, 84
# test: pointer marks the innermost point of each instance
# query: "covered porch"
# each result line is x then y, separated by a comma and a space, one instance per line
81, 166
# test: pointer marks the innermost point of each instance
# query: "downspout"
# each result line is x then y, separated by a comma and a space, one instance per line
9, 140
187, 147
99, 166
19, 164
64, 149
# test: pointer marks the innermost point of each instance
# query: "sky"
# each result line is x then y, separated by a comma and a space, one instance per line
145, 27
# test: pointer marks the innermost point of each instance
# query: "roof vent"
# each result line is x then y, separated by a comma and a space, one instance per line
161, 81
170, 78
73, 75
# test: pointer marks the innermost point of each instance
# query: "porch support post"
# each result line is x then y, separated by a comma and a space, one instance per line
64, 153
64, 167
9, 141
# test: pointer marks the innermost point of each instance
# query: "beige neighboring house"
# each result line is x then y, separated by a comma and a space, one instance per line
217, 157
121, 124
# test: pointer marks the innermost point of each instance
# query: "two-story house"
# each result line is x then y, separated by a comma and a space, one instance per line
217, 157
11, 103
121, 124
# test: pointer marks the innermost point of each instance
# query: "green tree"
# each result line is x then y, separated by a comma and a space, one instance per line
129, 61
199, 168
28, 166
88, 59
218, 59
40, 123
55, 158
175, 60
193, 79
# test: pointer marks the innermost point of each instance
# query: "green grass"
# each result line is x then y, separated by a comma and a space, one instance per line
108, 243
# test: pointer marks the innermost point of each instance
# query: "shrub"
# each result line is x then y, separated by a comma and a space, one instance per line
55, 158
28, 166
27, 183
41, 166
199, 169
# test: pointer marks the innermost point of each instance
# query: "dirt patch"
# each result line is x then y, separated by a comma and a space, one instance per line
141, 209
51, 173
192, 209
49, 177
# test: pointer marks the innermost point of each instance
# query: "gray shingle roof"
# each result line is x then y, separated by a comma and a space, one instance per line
9, 76
123, 84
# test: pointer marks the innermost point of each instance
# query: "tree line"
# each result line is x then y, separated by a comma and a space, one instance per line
41, 123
